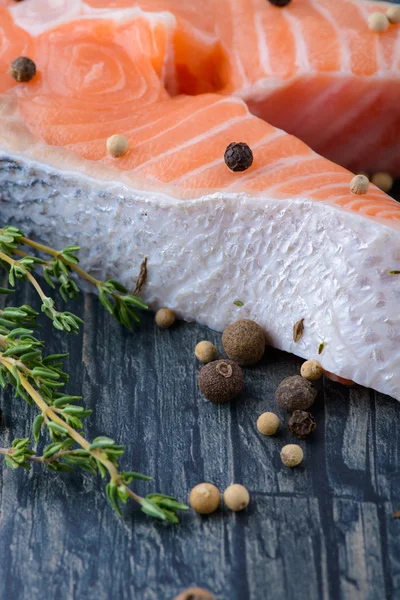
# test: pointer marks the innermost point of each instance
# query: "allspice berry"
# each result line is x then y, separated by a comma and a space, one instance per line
292, 455
165, 317
195, 593
236, 497
268, 423
206, 352
302, 423
311, 370
221, 380
295, 393
205, 498
244, 342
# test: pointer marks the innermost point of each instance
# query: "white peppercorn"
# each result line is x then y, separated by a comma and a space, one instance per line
205, 498
165, 318
236, 497
268, 423
292, 455
311, 370
206, 352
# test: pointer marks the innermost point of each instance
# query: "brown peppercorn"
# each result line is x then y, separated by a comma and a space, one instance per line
205, 498
302, 423
244, 342
295, 393
22, 69
221, 380
195, 593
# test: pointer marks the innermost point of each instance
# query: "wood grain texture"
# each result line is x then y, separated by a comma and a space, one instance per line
321, 531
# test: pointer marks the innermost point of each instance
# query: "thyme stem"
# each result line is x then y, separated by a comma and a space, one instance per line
39, 459
38, 379
28, 275
56, 254
50, 414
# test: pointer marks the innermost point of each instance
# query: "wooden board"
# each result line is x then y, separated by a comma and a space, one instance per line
321, 531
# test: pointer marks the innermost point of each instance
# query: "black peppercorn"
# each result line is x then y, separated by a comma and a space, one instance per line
295, 393
23, 69
280, 3
302, 423
238, 156
221, 380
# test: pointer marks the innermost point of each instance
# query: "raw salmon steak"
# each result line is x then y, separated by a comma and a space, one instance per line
286, 238
313, 68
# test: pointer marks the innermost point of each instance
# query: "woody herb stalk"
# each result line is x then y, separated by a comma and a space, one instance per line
38, 379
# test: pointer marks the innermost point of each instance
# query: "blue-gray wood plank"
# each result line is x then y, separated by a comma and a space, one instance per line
321, 531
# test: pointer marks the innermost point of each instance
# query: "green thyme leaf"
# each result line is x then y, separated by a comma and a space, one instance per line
170, 516
64, 400
37, 426
21, 359
173, 504
52, 449
238, 303
101, 442
129, 476
56, 427
152, 509
112, 495
117, 286
134, 301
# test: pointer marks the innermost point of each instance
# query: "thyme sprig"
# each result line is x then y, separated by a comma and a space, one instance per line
58, 268
39, 379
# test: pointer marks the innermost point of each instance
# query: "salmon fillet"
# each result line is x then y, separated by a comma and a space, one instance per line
286, 237
312, 68
322, 75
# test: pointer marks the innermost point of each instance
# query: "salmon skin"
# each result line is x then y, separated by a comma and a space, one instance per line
285, 237
312, 68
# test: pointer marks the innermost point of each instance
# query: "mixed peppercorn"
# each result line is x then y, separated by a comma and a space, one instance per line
23, 69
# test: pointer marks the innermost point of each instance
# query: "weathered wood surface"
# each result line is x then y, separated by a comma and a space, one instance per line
321, 531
